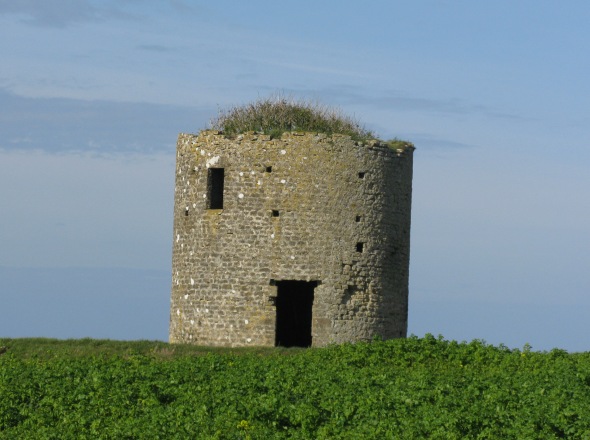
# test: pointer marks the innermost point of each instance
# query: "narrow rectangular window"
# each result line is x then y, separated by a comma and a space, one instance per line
215, 188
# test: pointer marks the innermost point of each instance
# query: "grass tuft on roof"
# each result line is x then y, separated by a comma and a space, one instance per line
277, 115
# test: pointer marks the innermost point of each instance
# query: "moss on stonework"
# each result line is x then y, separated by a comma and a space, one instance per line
399, 144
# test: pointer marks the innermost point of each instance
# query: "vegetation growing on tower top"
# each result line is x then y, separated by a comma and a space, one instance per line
277, 115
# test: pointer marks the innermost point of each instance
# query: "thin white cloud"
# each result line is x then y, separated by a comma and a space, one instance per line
57, 13
154, 48
351, 95
397, 100
428, 141
64, 13
101, 127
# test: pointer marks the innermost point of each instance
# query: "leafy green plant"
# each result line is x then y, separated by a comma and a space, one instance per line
406, 388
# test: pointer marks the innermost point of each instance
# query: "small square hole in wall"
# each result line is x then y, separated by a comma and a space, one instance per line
358, 218
269, 169
275, 213
360, 247
362, 175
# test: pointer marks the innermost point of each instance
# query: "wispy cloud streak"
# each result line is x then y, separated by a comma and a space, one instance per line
59, 13
59, 125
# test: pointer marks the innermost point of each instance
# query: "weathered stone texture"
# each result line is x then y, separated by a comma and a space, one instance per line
296, 208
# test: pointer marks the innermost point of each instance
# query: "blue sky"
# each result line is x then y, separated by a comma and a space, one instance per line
495, 96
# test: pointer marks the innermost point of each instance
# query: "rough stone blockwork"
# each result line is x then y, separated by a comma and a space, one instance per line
252, 213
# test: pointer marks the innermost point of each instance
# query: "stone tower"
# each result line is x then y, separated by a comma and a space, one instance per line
302, 240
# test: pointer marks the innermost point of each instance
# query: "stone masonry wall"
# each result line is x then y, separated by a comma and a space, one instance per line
303, 207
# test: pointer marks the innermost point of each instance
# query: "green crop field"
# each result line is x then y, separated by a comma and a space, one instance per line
411, 388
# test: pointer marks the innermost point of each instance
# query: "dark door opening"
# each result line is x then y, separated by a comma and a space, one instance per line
294, 305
